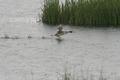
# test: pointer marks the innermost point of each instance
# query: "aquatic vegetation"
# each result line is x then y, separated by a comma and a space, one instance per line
88, 75
51, 12
82, 12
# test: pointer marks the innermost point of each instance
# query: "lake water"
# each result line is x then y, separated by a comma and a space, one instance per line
89, 49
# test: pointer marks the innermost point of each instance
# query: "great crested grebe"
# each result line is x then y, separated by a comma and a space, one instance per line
60, 31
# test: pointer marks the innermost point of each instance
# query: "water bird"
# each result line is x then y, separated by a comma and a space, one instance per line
60, 31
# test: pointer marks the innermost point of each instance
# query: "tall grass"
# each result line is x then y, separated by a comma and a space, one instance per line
82, 12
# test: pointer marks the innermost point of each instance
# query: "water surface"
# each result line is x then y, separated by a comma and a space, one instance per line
37, 58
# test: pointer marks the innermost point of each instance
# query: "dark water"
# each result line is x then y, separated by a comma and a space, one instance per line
37, 58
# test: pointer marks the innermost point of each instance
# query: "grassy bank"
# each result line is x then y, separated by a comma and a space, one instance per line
82, 12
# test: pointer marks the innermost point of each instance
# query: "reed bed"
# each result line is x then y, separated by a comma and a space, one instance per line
82, 12
89, 75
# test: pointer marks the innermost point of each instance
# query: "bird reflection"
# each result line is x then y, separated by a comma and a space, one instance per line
59, 40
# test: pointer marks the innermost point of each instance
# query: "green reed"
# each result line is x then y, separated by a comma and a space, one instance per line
82, 12
51, 12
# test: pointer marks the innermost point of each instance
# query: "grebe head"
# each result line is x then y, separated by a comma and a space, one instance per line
60, 27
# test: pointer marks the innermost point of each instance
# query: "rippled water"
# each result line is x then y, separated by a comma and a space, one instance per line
40, 59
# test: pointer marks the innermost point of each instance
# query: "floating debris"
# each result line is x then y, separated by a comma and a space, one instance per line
6, 37
9, 37
43, 37
29, 37
15, 37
